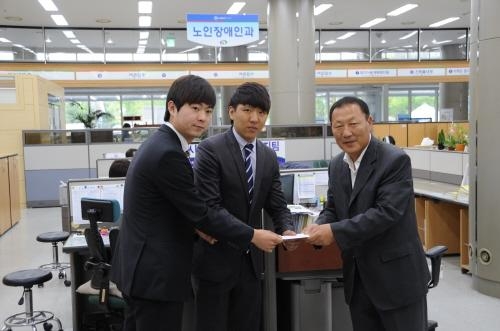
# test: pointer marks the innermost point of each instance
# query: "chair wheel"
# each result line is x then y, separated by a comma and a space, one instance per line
61, 275
47, 326
67, 283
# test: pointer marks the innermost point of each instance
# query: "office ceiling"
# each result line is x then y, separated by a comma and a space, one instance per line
345, 14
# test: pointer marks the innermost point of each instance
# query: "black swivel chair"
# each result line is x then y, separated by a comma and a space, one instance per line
109, 304
435, 254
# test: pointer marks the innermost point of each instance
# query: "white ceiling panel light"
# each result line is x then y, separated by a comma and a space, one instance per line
346, 35
5, 40
144, 21
144, 35
320, 9
145, 7
402, 10
48, 5
443, 22
330, 42
236, 7
373, 22
59, 20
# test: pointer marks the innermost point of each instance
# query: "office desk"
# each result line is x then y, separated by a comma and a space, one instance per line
443, 217
76, 247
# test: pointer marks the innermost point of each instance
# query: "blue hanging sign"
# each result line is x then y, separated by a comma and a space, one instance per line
222, 30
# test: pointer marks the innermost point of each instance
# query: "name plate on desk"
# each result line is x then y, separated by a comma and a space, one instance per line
308, 258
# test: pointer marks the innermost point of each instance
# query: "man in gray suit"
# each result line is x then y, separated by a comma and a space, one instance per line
370, 215
237, 181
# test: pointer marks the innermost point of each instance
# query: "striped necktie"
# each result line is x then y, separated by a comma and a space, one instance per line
248, 170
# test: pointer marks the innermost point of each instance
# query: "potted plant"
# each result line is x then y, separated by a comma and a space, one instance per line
88, 118
450, 142
461, 138
441, 140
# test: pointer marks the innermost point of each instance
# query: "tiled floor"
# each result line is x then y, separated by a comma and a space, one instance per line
454, 304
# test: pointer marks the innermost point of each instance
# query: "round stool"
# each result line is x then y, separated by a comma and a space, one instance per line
54, 238
26, 279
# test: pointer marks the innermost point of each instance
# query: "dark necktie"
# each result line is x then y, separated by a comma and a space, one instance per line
248, 169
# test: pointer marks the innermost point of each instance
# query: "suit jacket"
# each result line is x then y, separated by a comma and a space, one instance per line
220, 177
375, 226
161, 208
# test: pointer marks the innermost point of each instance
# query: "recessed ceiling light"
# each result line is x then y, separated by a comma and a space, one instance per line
319, 9
13, 18
373, 22
402, 9
145, 7
443, 22
59, 19
144, 21
103, 20
236, 7
48, 5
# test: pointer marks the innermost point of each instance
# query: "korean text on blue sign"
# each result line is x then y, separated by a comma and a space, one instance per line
222, 30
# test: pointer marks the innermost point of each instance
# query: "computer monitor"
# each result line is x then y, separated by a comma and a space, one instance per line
287, 186
93, 188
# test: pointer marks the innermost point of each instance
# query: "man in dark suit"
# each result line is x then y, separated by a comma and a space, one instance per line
370, 215
237, 183
153, 257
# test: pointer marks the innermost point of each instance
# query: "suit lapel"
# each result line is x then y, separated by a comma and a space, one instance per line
365, 170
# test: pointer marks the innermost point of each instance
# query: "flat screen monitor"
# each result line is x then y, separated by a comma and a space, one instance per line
287, 182
102, 188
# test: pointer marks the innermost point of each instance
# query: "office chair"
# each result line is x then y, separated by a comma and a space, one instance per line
434, 254
103, 294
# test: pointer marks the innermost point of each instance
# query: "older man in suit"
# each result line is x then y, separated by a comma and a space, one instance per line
238, 176
162, 209
370, 215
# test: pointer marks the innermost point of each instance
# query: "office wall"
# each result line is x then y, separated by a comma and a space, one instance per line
30, 111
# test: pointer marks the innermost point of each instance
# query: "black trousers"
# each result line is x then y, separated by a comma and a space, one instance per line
148, 315
365, 316
232, 305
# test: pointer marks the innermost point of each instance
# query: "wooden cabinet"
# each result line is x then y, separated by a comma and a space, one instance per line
10, 212
308, 258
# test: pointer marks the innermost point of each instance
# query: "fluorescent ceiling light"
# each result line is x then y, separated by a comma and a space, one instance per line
145, 21
191, 49
236, 7
5, 40
48, 5
319, 9
346, 35
252, 46
383, 41
402, 9
59, 19
462, 36
330, 42
443, 22
48, 40
408, 35
144, 35
143, 42
373, 22
145, 7
75, 41
261, 42
69, 34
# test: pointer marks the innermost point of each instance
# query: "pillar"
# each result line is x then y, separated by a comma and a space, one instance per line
484, 181
291, 61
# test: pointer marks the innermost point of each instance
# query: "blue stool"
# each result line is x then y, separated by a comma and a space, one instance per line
26, 279
54, 238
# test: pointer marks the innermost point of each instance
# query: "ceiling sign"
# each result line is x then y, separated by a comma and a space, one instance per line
222, 30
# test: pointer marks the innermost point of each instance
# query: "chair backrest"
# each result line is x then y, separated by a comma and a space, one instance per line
99, 210
435, 254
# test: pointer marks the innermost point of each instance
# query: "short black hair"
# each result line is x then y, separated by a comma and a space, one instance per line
190, 89
130, 152
119, 168
253, 94
350, 100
